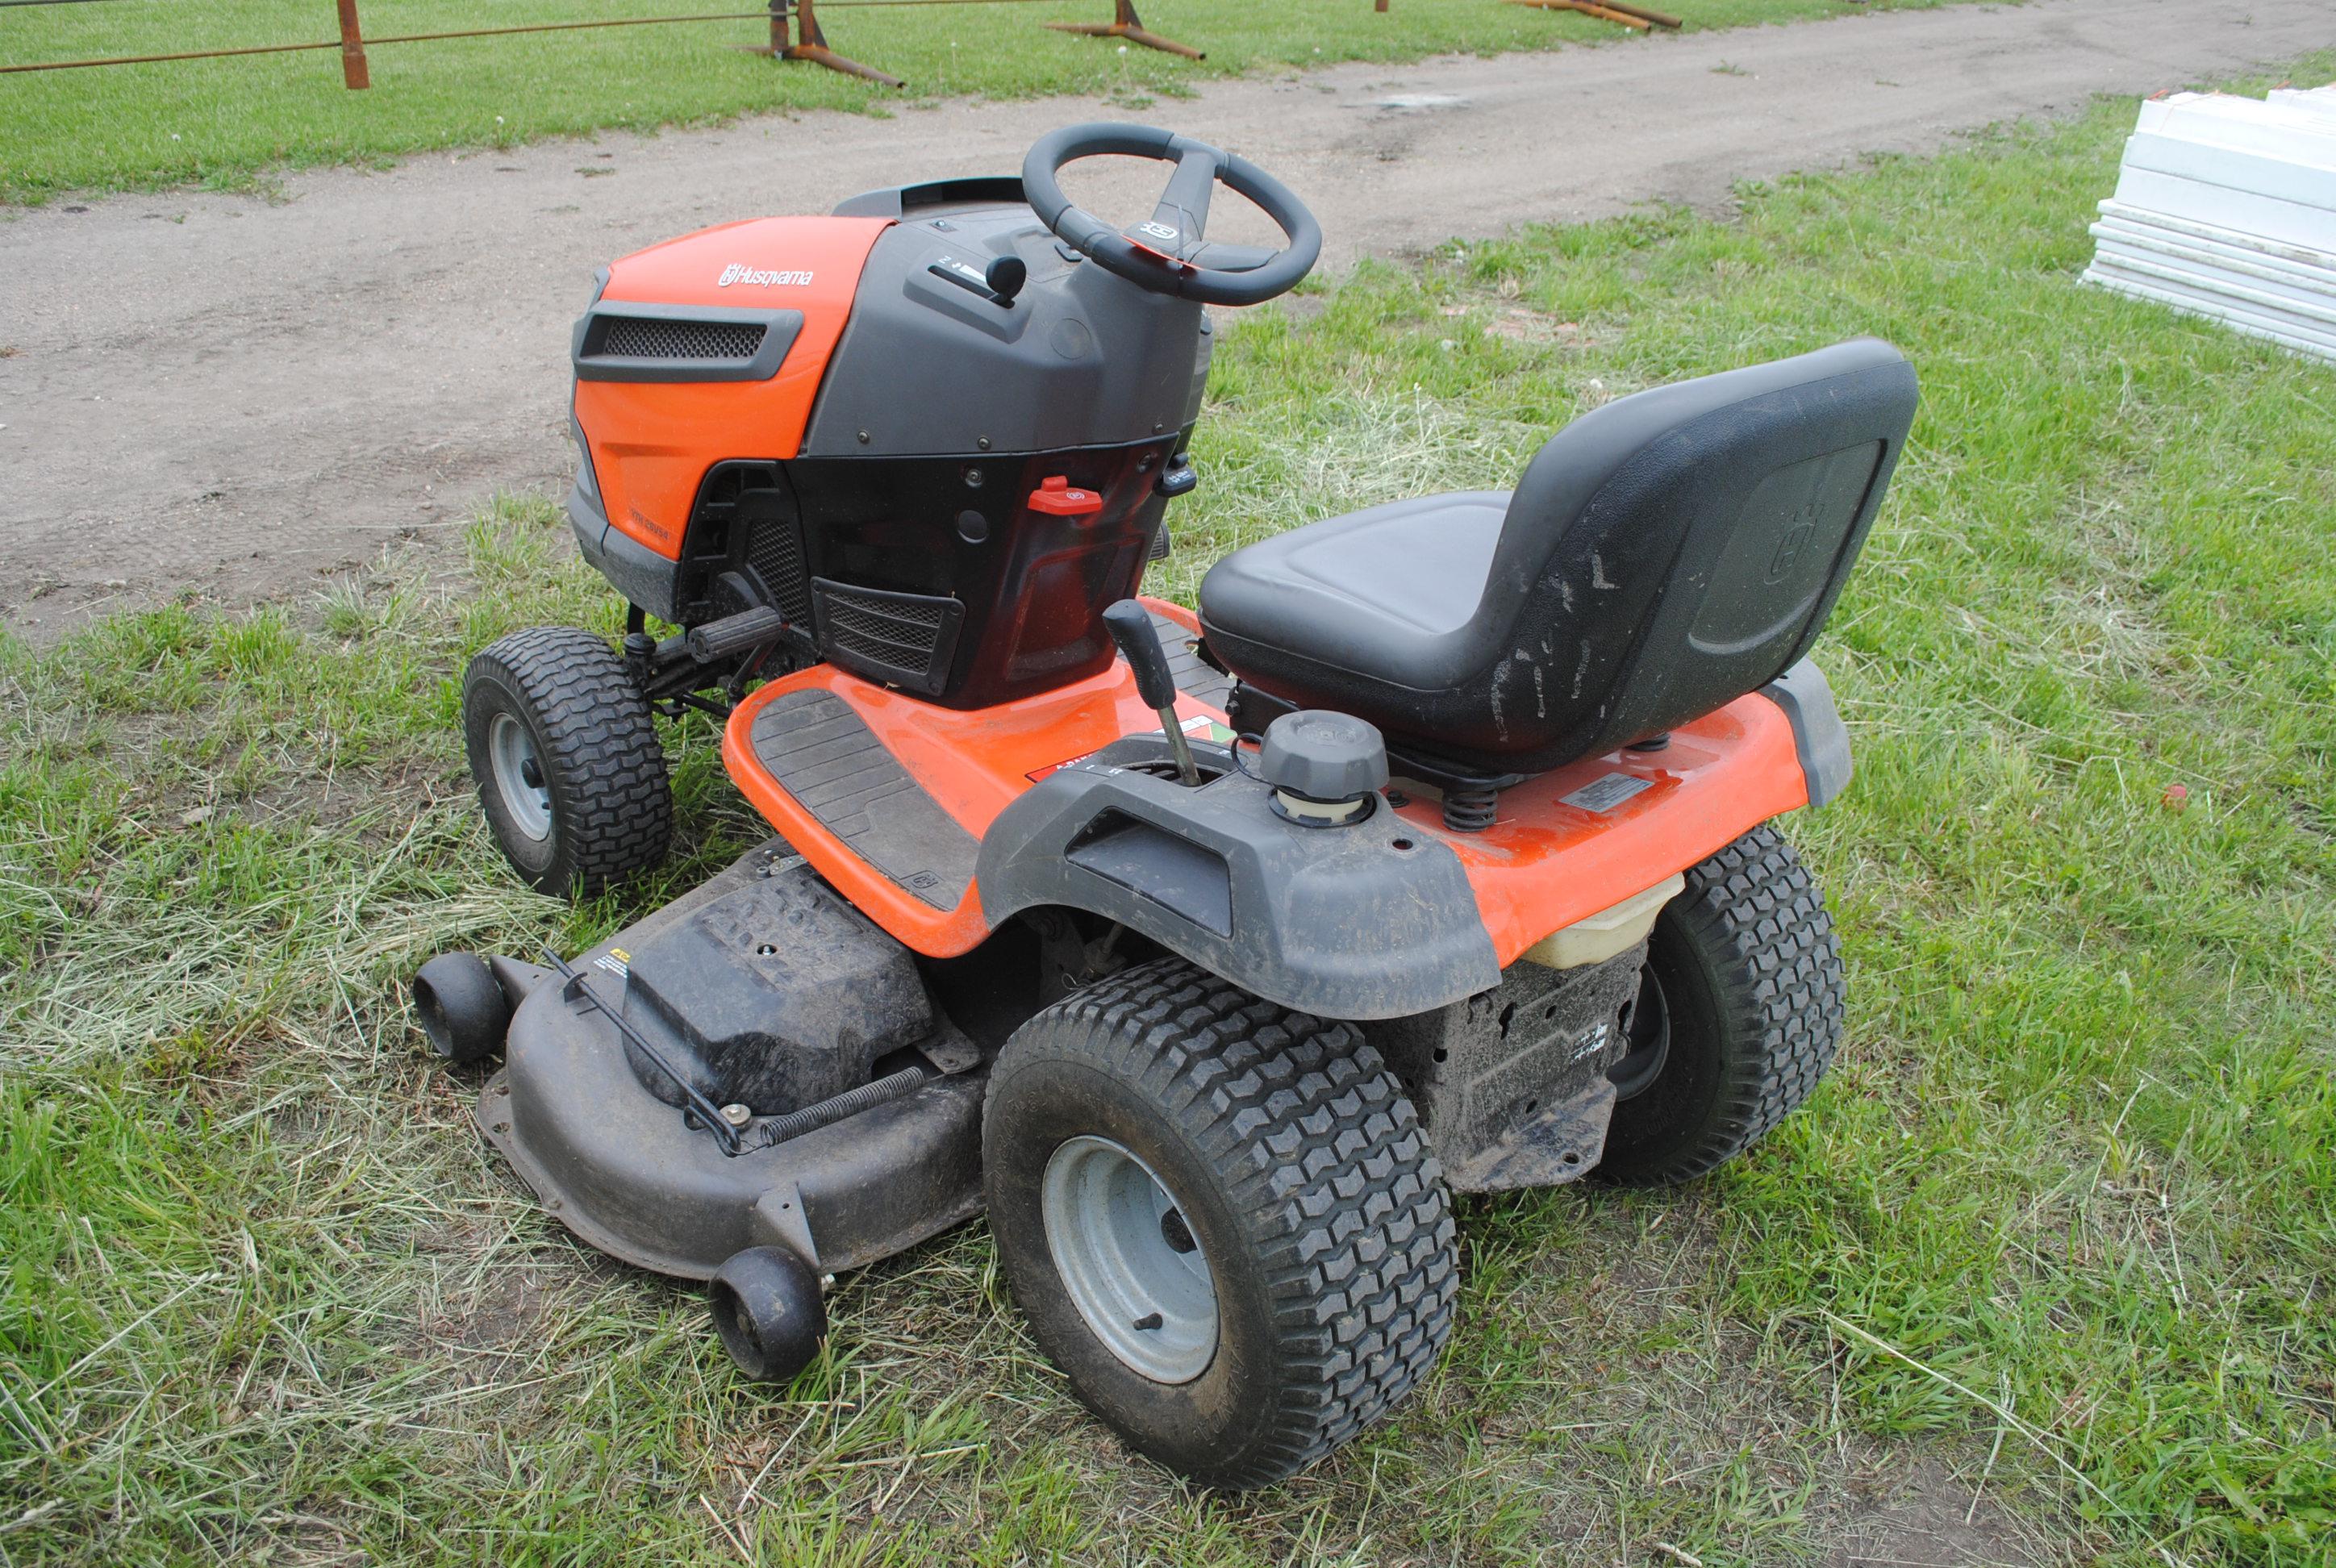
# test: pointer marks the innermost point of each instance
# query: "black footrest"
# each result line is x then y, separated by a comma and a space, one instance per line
736, 634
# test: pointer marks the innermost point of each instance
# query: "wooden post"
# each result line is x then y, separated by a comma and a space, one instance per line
354, 74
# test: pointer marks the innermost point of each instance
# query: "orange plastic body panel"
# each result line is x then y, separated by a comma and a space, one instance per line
652, 442
1545, 864
975, 764
1542, 866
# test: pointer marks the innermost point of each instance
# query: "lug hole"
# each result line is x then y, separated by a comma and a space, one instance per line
1176, 1233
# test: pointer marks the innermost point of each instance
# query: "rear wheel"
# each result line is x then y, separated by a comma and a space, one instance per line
1739, 1013
567, 759
1222, 1217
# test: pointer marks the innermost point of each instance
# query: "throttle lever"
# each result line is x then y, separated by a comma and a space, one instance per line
1130, 624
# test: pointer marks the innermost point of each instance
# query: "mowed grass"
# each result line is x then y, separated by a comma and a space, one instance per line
2043, 1271
227, 121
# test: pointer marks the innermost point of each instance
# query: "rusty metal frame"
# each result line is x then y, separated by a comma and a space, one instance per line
397, 38
1638, 18
796, 34
810, 43
1125, 24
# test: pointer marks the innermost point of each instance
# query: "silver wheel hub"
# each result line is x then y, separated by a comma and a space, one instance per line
519, 776
1128, 1260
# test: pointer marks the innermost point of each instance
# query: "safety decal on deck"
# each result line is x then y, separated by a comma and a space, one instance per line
617, 961
1601, 795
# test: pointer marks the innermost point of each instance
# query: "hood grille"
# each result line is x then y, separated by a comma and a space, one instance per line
637, 337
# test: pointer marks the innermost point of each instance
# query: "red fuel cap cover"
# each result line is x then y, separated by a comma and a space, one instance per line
1058, 495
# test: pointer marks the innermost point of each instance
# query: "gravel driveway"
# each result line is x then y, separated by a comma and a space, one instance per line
244, 396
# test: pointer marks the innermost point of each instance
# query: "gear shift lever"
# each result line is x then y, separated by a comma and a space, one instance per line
1130, 624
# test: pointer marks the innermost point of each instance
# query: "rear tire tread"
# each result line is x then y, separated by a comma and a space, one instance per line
1757, 911
1323, 1150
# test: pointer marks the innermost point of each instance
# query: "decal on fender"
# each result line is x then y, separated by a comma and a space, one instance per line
1601, 795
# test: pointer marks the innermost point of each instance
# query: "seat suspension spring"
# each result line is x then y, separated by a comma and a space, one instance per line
1470, 808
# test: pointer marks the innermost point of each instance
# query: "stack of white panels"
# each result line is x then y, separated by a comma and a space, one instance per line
2226, 207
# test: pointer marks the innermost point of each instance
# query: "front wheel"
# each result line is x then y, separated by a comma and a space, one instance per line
566, 754
1222, 1217
1739, 1013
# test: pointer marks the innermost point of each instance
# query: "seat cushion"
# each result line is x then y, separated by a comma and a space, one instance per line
1387, 594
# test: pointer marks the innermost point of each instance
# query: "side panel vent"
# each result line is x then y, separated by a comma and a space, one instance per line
905, 640
776, 552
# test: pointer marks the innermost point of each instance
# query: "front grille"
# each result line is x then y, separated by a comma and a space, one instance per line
907, 639
641, 338
896, 639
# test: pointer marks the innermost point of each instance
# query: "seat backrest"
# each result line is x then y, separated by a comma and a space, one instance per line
1679, 547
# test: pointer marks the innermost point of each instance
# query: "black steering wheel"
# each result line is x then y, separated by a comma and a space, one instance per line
1167, 253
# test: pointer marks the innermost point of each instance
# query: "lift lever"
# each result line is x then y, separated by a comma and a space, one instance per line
1130, 624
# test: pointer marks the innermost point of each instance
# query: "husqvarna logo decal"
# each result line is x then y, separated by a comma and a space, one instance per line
739, 272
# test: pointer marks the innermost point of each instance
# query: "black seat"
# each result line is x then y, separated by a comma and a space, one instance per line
1661, 557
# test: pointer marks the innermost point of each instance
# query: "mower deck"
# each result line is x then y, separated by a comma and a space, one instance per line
619, 1166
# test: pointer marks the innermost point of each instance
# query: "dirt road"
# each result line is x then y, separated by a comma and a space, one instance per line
243, 397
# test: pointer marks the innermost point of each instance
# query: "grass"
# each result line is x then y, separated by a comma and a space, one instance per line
2043, 1269
230, 121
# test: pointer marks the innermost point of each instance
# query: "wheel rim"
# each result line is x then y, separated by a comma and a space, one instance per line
1651, 1040
511, 748
1128, 1260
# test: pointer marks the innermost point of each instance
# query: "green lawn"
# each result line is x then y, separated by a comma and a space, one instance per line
227, 121
2061, 1224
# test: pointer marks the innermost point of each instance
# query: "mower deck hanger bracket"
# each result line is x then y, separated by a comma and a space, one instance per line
1431, 854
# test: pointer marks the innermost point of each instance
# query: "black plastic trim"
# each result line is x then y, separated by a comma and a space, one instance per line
902, 200
643, 576
1343, 925
828, 598
1189, 881
1819, 737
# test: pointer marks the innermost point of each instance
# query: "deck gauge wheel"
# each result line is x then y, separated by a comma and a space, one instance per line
768, 1313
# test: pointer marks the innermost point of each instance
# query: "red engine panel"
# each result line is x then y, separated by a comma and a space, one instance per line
652, 442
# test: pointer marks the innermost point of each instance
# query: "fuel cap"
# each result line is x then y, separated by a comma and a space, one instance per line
1326, 768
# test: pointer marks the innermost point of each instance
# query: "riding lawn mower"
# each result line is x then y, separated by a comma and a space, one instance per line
1211, 953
